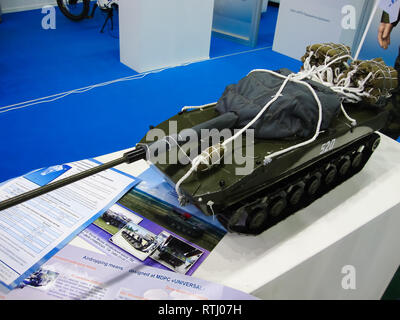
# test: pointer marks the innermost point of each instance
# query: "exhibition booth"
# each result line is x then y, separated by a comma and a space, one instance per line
202, 149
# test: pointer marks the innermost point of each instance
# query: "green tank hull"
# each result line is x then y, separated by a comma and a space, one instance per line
271, 191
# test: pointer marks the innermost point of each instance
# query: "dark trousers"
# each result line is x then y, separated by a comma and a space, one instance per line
397, 65
392, 128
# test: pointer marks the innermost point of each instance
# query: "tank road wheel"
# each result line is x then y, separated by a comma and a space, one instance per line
314, 184
330, 175
357, 160
277, 206
375, 142
256, 219
295, 195
345, 165
236, 217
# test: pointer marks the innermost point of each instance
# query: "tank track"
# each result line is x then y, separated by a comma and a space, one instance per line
278, 201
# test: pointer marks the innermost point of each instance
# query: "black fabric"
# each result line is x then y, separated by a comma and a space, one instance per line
294, 114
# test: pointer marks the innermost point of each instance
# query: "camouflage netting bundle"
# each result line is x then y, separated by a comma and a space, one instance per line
367, 80
376, 78
322, 54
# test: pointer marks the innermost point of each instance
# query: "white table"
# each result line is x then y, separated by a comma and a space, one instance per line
355, 224
156, 34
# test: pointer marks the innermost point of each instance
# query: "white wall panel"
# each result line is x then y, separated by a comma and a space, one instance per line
21, 5
157, 34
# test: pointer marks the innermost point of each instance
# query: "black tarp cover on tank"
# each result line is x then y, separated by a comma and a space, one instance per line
294, 114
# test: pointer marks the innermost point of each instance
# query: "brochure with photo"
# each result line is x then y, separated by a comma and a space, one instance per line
148, 226
155, 186
134, 238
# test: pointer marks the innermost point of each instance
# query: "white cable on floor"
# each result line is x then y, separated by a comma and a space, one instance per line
58, 96
67, 93
61, 95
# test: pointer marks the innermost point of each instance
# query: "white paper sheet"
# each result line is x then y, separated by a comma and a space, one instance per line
30, 233
79, 274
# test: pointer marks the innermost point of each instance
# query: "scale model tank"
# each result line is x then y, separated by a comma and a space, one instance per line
288, 171
301, 134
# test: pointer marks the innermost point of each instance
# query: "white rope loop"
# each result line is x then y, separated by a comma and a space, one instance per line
206, 160
198, 107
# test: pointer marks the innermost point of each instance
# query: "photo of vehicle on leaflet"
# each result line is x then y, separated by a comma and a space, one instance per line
41, 278
116, 218
177, 220
136, 240
176, 254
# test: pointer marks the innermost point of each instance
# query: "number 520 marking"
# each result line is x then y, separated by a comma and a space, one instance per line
328, 146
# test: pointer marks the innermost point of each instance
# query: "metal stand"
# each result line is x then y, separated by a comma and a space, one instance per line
110, 14
93, 10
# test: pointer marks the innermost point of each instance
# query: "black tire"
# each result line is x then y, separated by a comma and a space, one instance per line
357, 160
277, 207
374, 143
256, 219
235, 218
82, 9
295, 195
345, 166
313, 185
330, 175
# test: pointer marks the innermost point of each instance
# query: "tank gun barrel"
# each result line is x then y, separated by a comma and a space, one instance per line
141, 152
175, 140
138, 153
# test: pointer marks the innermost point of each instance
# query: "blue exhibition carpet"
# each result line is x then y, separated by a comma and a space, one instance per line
36, 63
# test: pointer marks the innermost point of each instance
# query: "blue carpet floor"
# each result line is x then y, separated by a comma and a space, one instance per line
36, 63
